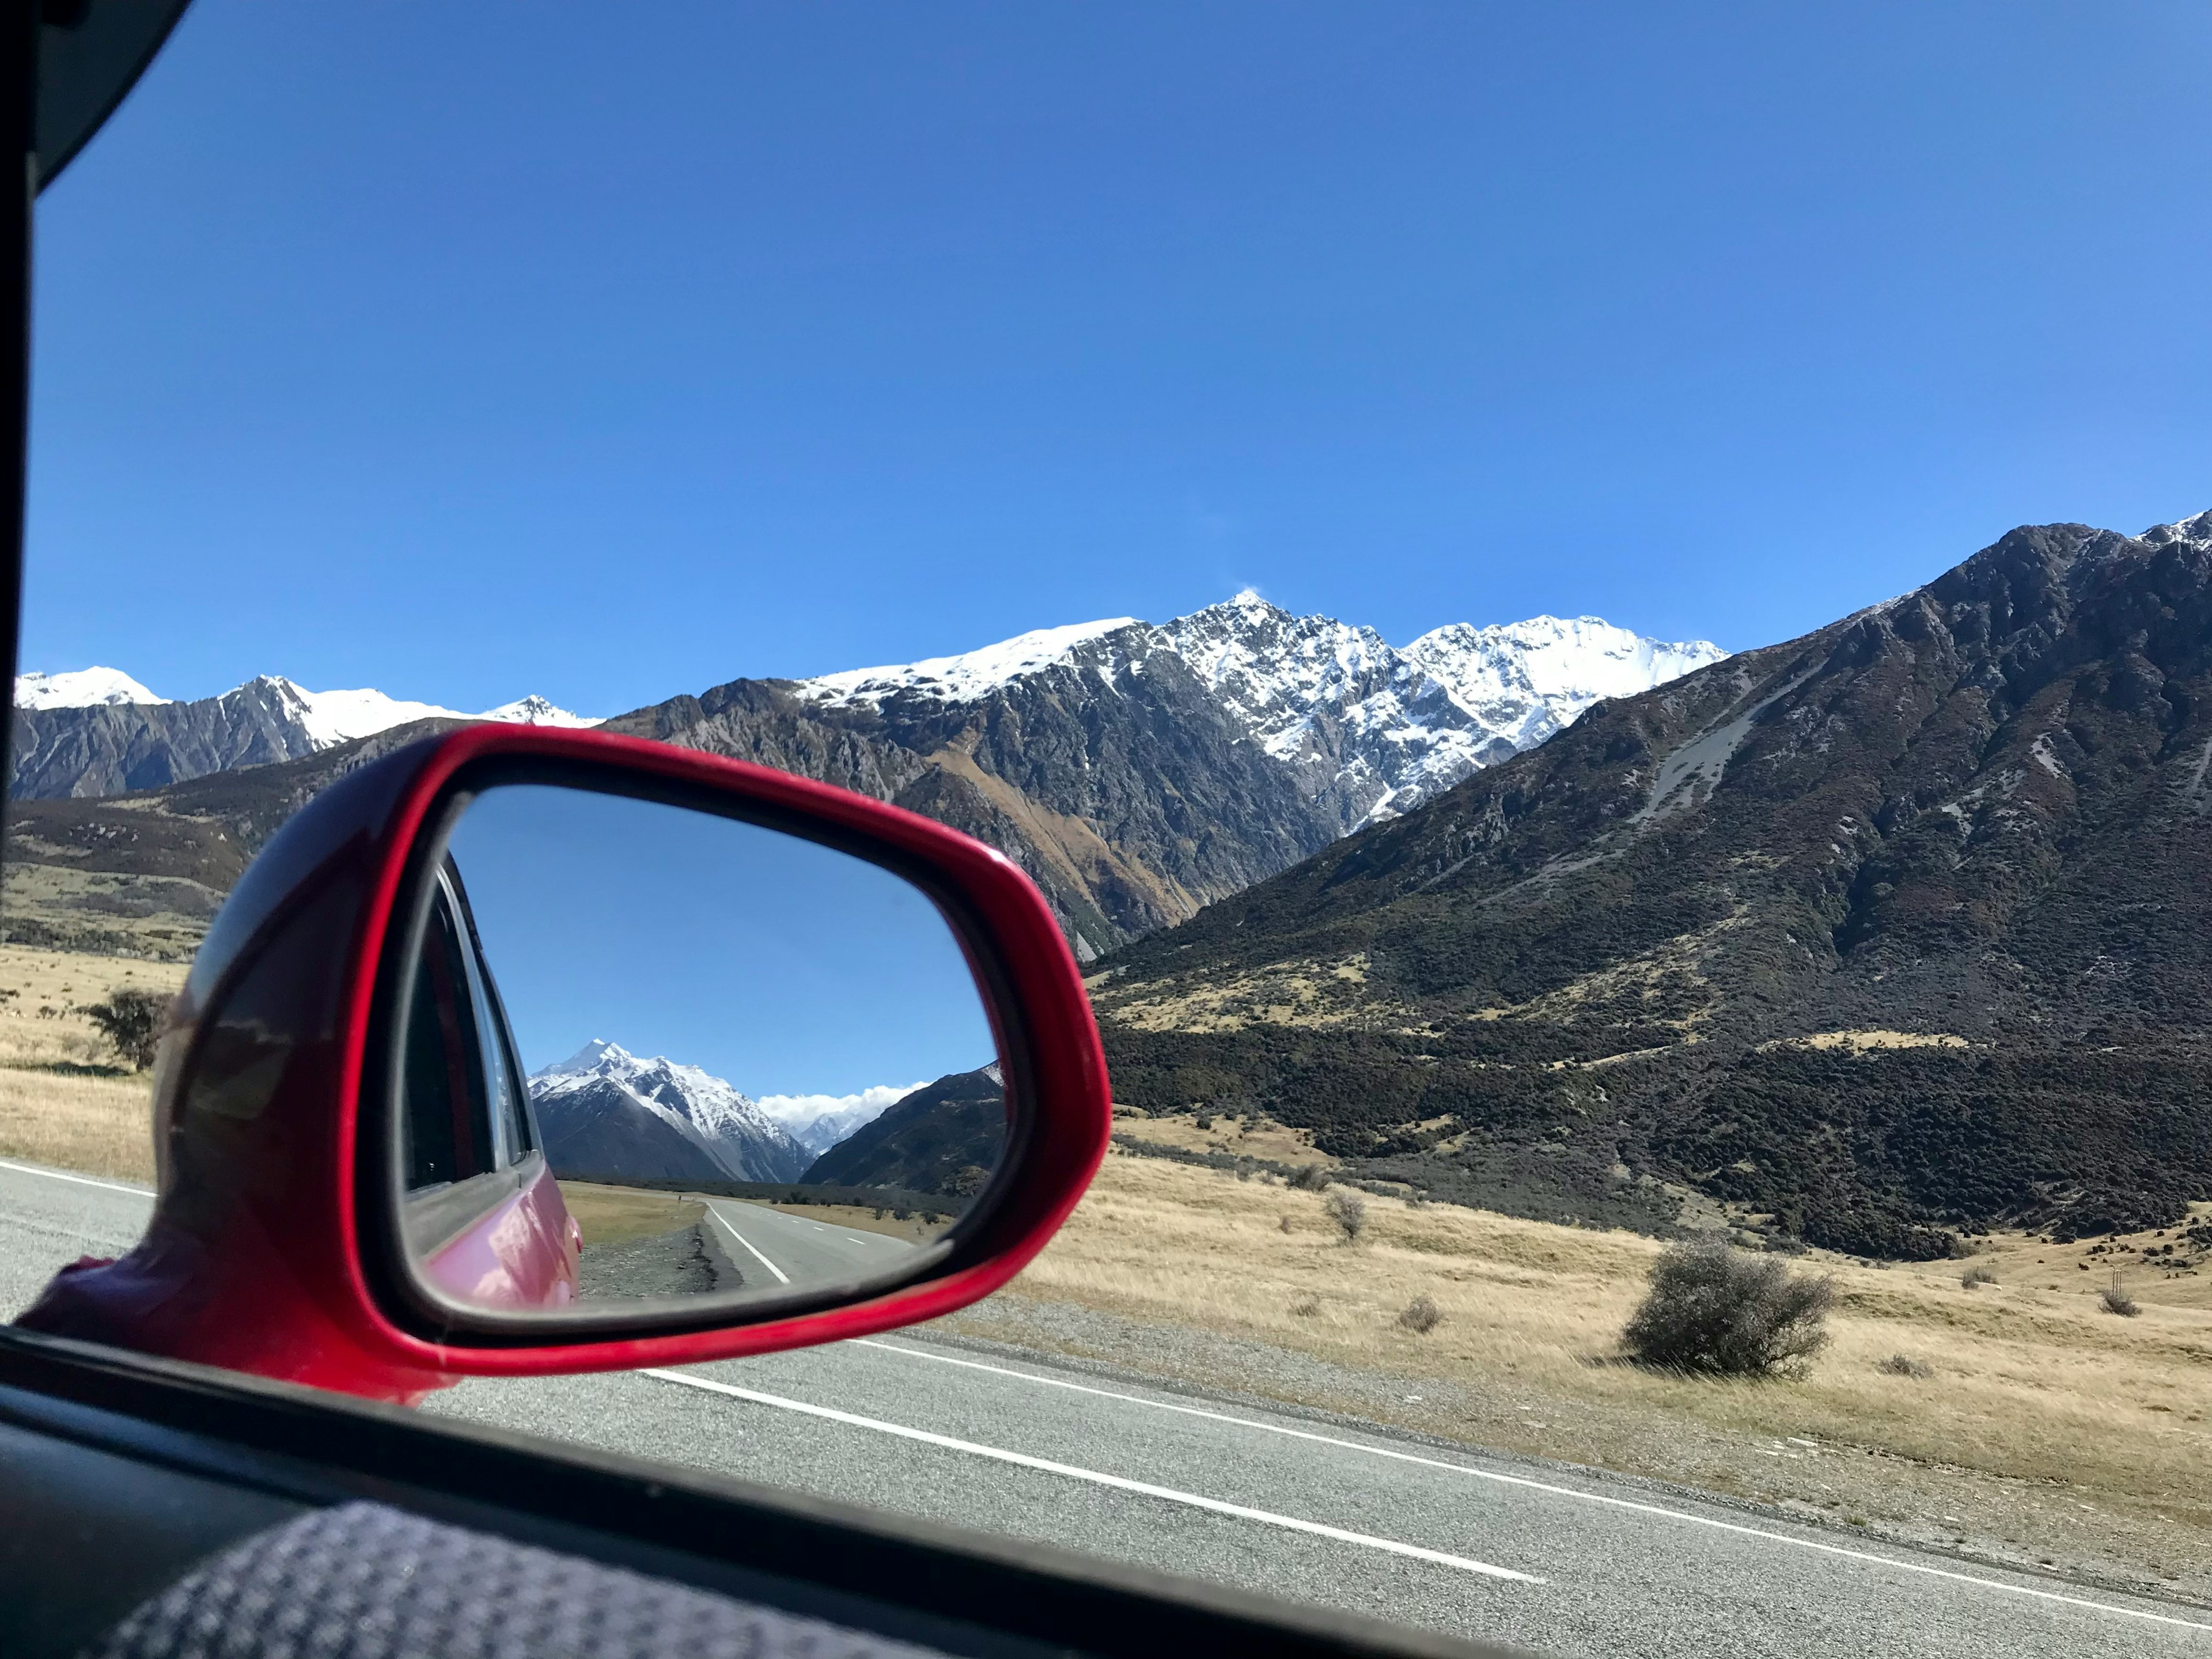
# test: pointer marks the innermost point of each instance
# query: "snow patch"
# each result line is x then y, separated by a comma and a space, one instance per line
964, 678
82, 688
694, 1102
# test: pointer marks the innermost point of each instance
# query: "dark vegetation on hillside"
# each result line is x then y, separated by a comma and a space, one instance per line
1890, 935
944, 1138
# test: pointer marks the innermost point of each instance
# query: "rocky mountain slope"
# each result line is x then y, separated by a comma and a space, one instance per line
142, 874
1882, 935
1138, 772
607, 1115
944, 1138
97, 732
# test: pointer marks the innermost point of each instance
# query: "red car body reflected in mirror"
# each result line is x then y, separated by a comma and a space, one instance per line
276, 1246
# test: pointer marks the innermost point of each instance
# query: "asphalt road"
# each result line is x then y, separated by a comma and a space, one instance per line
1351, 1515
792, 1250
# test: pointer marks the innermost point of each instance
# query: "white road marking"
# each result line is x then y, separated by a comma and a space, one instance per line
81, 1181
1144, 1488
1544, 1486
781, 1277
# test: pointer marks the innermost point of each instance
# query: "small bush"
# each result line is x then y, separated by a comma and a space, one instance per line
1900, 1364
1348, 1209
1309, 1178
1714, 1310
2117, 1300
969, 1180
131, 1020
1421, 1316
1980, 1273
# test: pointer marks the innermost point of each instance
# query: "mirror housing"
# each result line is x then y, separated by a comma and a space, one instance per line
266, 1250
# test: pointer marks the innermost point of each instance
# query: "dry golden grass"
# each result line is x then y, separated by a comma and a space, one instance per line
1249, 1135
40, 990
616, 1215
64, 1099
2029, 1385
102, 1126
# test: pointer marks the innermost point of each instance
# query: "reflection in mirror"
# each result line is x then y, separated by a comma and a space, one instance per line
650, 1052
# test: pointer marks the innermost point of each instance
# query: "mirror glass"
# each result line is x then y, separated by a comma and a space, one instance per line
647, 1052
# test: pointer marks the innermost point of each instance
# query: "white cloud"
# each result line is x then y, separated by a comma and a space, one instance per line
800, 1111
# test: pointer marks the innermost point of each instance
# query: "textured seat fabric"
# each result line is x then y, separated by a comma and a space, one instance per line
368, 1582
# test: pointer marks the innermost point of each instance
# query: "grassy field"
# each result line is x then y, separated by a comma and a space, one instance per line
621, 1215
66, 1097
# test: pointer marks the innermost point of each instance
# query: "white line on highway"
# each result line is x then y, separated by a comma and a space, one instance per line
81, 1181
781, 1277
1021, 1460
1543, 1486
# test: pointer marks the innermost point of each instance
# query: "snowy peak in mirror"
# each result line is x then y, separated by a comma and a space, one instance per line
609, 1115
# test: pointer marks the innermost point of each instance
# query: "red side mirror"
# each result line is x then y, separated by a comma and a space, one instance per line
522, 1051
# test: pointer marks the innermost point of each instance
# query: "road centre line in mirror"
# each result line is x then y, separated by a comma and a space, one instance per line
715, 1210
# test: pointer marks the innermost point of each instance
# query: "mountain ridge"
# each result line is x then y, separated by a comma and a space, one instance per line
1822, 932
605, 1112
1136, 772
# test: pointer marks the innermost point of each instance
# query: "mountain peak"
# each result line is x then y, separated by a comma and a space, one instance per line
83, 688
2196, 528
588, 1058
964, 678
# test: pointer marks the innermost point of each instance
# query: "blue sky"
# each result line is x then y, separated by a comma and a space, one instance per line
778, 965
471, 350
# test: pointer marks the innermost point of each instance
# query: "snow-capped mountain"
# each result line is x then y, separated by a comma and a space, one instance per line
818, 1122
98, 731
1372, 729
964, 678
1526, 680
81, 687
331, 717
606, 1112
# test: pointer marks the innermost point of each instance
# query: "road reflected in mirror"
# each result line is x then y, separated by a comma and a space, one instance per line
652, 1053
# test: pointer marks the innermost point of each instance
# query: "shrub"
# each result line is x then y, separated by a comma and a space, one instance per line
1980, 1273
1900, 1364
1348, 1209
1715, 1309
131, 1020
1422, 1315
2117, 1300
1309, 1178
969, 1180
